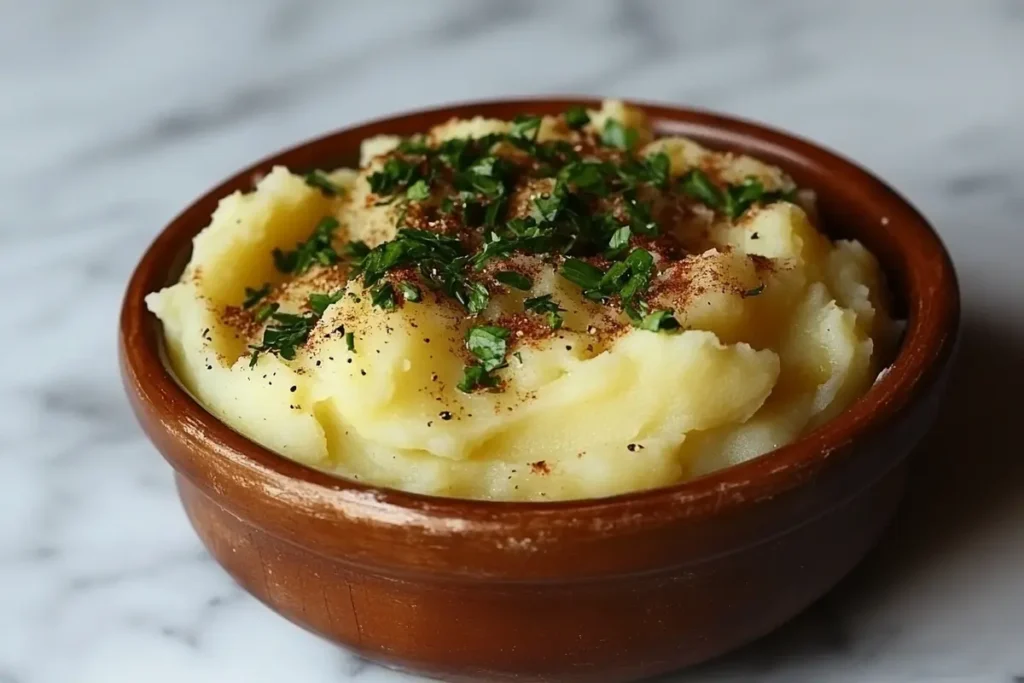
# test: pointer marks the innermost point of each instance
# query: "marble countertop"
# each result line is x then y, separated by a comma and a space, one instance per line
115, 114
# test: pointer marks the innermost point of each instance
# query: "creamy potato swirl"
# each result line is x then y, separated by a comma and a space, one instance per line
539, 309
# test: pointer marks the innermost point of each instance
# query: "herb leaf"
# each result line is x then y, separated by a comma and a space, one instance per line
317, 249
488, 344
619, 242
476, 298
581, 273
576, 117
658, 168
547, 305
254, 296
526, 127
287, 332
659, 321
698, 185
320, 181
475, 377
410, 292
418, 191
383, 296
615, 134
320, 302
395, 173
513, 279
265, 311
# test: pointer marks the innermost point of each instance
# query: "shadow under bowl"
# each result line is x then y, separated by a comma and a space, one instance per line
611, 589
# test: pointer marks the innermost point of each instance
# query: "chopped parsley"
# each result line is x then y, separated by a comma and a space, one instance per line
288, 331
734, 200
418, 191
514, 279
576, 117
526, 127
319, 302
318, 249
383, 296
581, 273
488, 343
265, 311
616, 134
596, 206
544, 304
410, 292
658, 321
320, 181
254, 296
395, 174
628, 278
285, 333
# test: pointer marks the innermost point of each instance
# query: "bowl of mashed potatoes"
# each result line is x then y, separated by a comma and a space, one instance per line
541, 390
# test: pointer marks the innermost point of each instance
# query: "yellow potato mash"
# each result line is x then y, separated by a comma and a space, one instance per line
539, 309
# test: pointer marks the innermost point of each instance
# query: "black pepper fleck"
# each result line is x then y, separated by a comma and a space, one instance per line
445, 415
293, 389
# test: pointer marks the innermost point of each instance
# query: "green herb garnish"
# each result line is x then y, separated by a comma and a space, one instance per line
526, 127
546, 304
581, 273
659, 321
488, 343
265, 311
418, 191
513, 279
254, 296
734, 200
284, 334
317, 249
615, 134
383, 296
319, 302
396, 173
320, 181
755, 291
619, 242
410, 292
475, 377
350, 341
698, 185
576, 117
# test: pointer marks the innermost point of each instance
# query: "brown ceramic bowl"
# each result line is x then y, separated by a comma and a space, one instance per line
611, 589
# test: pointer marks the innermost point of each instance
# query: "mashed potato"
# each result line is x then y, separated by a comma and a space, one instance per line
542, 309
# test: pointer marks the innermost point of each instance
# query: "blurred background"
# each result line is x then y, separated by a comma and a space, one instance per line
114, 114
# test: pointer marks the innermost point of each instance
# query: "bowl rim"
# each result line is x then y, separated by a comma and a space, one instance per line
933, 318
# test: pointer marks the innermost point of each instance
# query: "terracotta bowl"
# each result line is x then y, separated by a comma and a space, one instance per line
611, 589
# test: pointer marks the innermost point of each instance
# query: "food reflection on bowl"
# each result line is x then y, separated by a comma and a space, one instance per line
598, 588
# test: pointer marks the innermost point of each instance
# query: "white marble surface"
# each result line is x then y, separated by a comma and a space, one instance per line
114, 114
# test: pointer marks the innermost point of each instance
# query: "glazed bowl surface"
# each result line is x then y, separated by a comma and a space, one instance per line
612, 589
